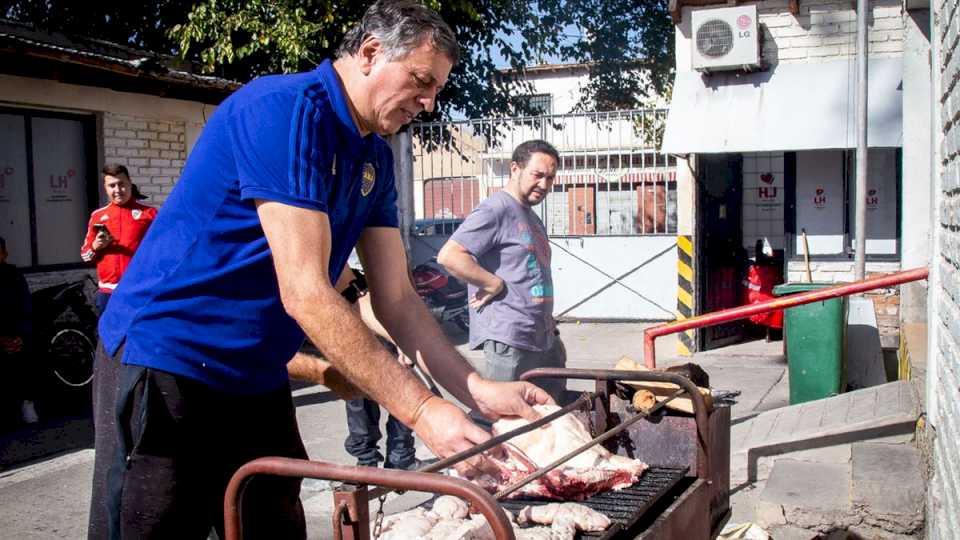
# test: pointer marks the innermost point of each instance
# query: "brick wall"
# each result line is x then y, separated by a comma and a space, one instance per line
943, 497
153, 150
826, 30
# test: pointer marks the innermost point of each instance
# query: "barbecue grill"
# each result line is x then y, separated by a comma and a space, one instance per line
684, 493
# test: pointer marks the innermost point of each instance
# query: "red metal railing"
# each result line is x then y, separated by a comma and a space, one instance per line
351, 515
742, 312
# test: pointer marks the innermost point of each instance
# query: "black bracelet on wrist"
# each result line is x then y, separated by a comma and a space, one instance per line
356, 288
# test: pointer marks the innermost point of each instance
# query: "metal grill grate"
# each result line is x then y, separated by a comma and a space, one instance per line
624, 507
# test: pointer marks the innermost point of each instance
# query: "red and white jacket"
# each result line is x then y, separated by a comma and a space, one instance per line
127, 224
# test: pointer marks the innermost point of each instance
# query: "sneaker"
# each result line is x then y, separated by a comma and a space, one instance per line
29, 413
413, 465
368, 463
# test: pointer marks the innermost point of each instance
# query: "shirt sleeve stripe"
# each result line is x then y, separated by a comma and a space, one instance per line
303, 174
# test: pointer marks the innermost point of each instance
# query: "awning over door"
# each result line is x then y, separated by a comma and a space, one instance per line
789, 107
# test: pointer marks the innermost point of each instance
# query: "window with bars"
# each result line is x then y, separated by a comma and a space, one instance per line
540, 104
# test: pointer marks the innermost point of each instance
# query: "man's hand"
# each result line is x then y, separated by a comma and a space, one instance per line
498, 399
102, 240
340, 385
487, 293
464, 266
309, 367
11, 344
446, 430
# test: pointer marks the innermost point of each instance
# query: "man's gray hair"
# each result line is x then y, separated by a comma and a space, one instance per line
401, 26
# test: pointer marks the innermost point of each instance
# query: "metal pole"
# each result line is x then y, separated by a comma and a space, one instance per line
860, 224
402, 146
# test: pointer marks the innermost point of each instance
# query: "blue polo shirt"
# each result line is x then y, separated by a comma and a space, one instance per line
200, 297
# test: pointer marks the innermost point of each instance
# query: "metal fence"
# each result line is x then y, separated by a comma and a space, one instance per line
611, 179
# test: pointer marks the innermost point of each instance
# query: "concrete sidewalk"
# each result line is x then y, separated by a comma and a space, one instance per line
48, 498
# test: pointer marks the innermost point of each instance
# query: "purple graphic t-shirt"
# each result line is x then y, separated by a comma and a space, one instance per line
509, 240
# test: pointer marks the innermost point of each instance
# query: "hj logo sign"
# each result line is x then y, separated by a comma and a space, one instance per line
769, 191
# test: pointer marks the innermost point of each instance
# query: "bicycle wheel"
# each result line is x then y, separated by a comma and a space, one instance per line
70, 352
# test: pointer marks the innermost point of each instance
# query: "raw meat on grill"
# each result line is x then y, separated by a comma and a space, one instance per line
410, 525
450, 507
591, 471
583, 517
448, 520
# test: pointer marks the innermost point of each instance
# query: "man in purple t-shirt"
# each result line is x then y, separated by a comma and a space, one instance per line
501, 251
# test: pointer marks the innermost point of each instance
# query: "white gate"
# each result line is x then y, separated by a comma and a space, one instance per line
611, 215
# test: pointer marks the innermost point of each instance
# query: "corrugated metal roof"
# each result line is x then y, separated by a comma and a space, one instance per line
23, 40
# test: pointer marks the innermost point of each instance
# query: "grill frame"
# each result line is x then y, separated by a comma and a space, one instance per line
694, 506
624, 507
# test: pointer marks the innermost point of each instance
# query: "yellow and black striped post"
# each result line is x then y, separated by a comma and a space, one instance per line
687, 343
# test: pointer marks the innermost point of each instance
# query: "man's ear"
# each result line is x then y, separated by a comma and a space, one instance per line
370, 50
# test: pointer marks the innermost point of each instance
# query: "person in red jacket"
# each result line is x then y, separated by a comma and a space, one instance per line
115, 231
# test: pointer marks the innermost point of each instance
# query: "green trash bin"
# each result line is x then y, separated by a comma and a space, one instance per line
815, 343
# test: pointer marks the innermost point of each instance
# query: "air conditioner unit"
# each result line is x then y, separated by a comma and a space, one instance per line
726, 38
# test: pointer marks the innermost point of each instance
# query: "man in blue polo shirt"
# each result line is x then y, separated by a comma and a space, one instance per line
192, 377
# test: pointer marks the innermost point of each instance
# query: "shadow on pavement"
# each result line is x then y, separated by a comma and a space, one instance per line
46, 438
65, 424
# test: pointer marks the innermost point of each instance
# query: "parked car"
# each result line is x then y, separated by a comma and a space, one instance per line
436, 226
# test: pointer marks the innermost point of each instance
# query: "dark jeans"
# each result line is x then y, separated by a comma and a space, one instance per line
166, 447
101, 299
20, 382
363, 421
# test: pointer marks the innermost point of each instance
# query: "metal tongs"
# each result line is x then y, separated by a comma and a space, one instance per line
584, 399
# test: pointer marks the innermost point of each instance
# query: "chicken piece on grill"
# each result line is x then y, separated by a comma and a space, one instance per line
409, 525
450, 507
443, 523
584, 518
591, 471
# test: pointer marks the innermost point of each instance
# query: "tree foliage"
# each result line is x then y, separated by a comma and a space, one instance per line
144, 25
626, 45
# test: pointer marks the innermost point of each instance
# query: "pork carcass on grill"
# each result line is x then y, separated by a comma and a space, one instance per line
592, 471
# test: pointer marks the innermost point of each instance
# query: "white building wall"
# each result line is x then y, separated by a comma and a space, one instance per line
943, 369
563, 85
916, 173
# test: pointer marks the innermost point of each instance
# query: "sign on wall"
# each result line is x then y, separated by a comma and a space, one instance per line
59, 169
14, 194
820, 201
880, 200
763, 199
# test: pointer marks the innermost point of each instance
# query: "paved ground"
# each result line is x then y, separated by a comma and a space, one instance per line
48, 497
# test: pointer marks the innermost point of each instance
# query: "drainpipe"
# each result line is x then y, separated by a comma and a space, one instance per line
860, 223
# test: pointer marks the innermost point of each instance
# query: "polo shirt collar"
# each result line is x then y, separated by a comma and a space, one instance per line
338, 100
